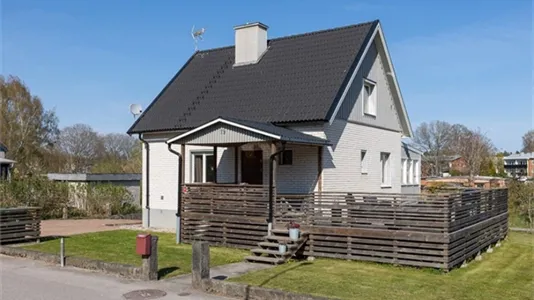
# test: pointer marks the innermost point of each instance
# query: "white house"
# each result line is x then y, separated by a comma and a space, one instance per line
314, 112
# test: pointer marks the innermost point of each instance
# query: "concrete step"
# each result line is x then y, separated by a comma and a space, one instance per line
275, 245
270, 252
283, 239
264, 259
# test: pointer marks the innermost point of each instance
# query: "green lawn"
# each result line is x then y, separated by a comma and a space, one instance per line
507, 273
119, 246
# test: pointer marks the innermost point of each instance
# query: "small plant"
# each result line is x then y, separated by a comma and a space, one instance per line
292, 225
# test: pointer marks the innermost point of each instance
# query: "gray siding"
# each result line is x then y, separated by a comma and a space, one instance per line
223, 134
352, 108
2, 154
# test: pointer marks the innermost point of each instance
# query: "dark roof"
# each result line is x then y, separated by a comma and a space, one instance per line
299, 78
285, 134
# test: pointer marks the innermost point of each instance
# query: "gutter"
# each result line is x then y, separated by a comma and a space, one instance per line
179, 196
271, 184
147, 170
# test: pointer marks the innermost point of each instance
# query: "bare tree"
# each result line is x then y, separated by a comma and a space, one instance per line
434, 138
119, 146
528, 141
82, 145
474, 147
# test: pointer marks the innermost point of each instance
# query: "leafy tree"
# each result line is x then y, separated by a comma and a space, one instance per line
26, 128
528, 141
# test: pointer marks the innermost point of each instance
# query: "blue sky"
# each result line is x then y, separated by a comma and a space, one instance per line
460, 61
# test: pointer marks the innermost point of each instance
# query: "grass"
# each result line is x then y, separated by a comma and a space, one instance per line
514, 220
507, 273
119, 246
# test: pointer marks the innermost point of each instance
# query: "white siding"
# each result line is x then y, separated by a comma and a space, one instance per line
341, 163
301, 176
163, 176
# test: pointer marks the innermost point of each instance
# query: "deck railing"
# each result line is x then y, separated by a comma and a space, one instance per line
430, 230
20, 224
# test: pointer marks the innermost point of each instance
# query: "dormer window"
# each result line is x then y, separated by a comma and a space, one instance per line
369, 97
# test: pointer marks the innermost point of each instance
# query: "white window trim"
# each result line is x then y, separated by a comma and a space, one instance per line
387, 176
204, 154
374, 97
410, 172
416, 172
364, 164
404, 171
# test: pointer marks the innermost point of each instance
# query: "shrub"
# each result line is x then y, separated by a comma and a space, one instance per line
521, 200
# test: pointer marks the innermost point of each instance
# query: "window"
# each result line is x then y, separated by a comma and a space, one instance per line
203, 167
385, 169
404, 171
286, 158
369, 97
415, 171
363, 161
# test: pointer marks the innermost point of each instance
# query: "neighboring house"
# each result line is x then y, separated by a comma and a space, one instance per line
448, 165
519, 165
410, 169
131, 182
5, 164
326, 105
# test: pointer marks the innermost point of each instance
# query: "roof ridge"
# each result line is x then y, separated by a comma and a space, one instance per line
295, 35
323, 30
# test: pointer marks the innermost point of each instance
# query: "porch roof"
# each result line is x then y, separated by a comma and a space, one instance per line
6, 161
225, 131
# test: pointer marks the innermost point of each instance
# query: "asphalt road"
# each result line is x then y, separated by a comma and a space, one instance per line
22, 279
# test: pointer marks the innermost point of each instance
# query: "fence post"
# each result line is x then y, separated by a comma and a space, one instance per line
200, 263
149, 267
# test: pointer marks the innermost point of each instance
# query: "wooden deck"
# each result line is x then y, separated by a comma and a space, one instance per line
438, 231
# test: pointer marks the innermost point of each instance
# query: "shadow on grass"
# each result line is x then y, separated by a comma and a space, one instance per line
51, 238
166, 271
296, 266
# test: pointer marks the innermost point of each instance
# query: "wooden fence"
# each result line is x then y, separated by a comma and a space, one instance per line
229, 214
19, 224
438, 231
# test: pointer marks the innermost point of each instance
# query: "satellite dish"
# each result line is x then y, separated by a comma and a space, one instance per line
136, 109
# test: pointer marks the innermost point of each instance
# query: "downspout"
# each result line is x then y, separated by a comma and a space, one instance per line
147, 188
179, 196
271, 184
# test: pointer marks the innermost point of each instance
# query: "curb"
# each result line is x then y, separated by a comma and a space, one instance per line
244, 291
128, 271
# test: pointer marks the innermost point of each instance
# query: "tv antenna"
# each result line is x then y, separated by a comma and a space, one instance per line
136, 109
197, 35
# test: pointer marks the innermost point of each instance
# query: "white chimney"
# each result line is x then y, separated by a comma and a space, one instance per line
250, 43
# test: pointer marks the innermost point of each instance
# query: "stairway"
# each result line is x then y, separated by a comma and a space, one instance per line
268, 251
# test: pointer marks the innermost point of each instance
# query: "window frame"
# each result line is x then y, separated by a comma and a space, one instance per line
372, 97
385, 169
416, 171
364, 162
404, 171
204, 155
282, 161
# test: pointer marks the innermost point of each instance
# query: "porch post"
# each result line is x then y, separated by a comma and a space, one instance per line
215, 164
236, 164
320, 169
272, 180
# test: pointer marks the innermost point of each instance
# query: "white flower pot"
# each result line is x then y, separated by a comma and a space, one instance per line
282, 249
294, 233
